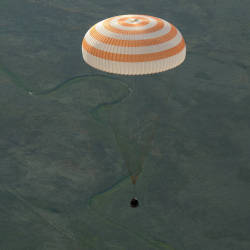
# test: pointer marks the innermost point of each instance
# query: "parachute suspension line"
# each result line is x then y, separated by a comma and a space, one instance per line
134, 190
146, 177
132, 176
170, 90
135, 87
126, 163
146, 154
134, 179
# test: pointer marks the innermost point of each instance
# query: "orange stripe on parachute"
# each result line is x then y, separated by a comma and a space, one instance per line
135, 57
133, 43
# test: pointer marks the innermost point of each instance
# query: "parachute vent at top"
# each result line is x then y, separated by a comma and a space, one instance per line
133, 45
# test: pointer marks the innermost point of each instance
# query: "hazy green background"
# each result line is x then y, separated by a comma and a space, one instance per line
63, 182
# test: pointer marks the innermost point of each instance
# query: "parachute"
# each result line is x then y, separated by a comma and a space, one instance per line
133, 45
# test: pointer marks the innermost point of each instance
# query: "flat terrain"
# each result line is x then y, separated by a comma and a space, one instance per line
71, 136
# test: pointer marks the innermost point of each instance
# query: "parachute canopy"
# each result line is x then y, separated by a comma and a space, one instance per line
133, 45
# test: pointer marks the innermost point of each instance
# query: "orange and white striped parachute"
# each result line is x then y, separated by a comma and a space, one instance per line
133, 45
